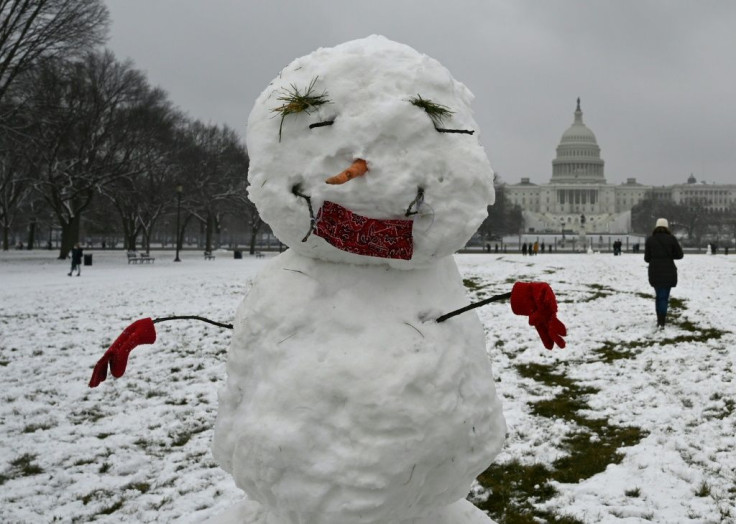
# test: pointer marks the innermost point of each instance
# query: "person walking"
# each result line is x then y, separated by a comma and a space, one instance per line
660, 251
76, 260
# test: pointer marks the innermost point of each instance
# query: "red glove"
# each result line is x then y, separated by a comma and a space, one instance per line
139, 332
537, 300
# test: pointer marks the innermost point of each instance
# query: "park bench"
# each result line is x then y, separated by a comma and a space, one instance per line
259, 254
135, 258
208, 255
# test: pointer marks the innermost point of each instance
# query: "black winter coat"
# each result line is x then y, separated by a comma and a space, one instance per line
660, 251
77, 255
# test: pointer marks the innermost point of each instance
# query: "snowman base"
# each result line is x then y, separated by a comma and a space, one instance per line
460, 512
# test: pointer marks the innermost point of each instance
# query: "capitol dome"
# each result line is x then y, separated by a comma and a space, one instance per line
578, 157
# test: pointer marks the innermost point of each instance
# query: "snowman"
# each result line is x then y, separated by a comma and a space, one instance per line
346, 401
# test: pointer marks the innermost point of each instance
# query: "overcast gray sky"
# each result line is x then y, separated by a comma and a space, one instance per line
657, 79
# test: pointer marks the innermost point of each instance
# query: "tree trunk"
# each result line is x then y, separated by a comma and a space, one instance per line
218, 233
131, 235
31, 235
69, 235
209, 227
6, 237
180, 234
147, 234
255, 226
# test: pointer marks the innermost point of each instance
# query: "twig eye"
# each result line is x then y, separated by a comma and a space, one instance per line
416, 203
321, 124
295, 101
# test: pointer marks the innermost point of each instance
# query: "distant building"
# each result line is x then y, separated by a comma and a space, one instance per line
712, 197
577, 195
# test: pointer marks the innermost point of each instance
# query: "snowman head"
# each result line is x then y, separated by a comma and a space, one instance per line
398, 127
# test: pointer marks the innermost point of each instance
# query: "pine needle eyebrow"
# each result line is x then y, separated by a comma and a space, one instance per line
297, 101
437, 113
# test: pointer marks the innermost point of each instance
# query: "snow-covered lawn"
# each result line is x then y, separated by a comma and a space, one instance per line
137, 449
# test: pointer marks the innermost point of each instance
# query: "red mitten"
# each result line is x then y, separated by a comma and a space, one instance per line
139, 332
537, 300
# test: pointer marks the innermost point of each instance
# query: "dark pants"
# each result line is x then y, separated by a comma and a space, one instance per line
662, 298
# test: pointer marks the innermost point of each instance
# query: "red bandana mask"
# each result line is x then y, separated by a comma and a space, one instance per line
361, 235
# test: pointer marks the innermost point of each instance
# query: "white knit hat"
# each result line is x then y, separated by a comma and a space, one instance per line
662, 222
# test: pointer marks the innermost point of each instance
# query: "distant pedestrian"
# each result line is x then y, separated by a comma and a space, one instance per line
660, 251
542, 247
76, 260
535, 248
523, 248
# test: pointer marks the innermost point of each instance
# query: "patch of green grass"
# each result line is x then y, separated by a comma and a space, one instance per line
595, 296
611, 351
143, 487
677, 303
25, 466
599, 291
86, 415
97, 495
512, 485
473, 284
703, 490
142, 443
32, 428
594, 449
112, 508
182, 437
155, 393
516, 488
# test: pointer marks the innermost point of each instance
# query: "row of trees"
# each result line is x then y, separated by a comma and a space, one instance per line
82, 133
695, 219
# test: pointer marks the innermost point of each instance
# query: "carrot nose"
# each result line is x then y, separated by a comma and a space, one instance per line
356, 169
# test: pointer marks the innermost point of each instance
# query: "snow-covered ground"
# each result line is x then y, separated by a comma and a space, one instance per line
137, 449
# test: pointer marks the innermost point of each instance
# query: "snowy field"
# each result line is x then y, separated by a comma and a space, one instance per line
137, 449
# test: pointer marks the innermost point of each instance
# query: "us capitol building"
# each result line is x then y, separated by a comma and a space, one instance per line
578, 198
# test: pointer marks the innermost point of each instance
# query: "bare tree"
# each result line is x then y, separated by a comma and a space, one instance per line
145, 194
214, 166
14, 185
247, 211
82, 131
34, 29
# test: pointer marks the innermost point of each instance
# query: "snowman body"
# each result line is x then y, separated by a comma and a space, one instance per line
345, 401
